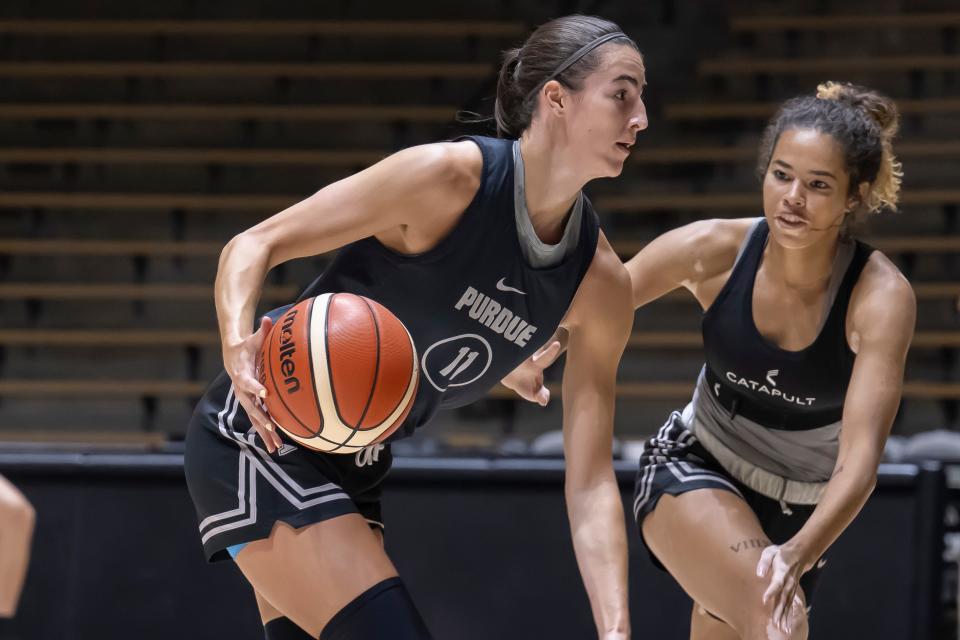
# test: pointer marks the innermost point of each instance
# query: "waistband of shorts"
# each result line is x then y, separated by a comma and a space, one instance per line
764, 482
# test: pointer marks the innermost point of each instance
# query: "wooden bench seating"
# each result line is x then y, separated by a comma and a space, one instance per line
763, 110
168, 248
244, 157
417, 29
317, 70
725, 201
264, 203
890, 245
101, 388
748, 154
846, 23
380, 113
360, 157
87, 291
819, 66
221, 112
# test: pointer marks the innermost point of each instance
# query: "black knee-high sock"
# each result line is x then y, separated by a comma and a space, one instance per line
284, 629
385, 611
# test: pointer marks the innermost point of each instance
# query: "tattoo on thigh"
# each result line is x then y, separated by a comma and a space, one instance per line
752, 543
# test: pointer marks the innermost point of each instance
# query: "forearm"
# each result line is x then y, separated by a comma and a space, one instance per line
600, 544
244, 263
15, 536
846, 493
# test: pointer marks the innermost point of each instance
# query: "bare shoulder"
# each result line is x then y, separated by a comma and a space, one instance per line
708, 250
708, 247
442, 178
449, 166
463, 161
882, 300
718, 240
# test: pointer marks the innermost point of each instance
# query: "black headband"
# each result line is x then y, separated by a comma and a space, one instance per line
576, 56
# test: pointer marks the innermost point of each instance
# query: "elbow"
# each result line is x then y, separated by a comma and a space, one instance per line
29, 520
871, 483
250, 245
598, 476
27, 516
20, 515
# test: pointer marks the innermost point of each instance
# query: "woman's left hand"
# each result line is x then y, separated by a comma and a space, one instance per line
784, 565
527, 379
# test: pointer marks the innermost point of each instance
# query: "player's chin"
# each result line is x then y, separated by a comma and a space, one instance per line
614, 167
792, 239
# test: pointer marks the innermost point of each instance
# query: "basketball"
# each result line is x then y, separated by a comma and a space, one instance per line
340, 372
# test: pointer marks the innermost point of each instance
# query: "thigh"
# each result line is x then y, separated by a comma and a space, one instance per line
311, 573
704, 626
268, 612
710, 541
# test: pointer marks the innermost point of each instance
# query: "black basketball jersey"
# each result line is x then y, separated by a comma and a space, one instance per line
750, 376
474, 307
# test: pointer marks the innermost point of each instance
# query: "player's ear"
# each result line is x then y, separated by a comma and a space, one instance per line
554, 97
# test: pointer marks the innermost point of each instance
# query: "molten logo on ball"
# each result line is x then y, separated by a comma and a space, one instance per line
288, 347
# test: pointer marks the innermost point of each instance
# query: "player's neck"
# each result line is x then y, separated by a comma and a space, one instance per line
550, 184
806, 268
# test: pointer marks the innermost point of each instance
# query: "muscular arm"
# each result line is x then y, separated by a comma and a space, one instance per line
883, 318
418, 192
16, 530
416, 186
696, 256
593, 499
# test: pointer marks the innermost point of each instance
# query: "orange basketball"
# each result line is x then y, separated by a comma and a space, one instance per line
340, 372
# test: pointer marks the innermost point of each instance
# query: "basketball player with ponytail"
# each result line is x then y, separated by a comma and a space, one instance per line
437, 234
805, 331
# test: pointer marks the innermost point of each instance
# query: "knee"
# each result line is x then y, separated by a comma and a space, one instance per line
18, 513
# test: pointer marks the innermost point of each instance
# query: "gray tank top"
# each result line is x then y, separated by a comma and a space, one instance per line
537, 253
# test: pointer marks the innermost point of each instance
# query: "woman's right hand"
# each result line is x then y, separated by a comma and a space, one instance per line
240, 362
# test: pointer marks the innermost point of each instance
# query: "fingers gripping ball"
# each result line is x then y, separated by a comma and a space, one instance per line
340, 372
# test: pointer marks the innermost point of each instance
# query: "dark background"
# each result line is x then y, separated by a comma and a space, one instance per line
483, 545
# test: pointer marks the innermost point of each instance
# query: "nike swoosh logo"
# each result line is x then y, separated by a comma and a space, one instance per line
502, 287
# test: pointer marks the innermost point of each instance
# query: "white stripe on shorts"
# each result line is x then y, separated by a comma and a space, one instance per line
271, 472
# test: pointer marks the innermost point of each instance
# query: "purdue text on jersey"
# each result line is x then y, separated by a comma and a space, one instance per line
496, 317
